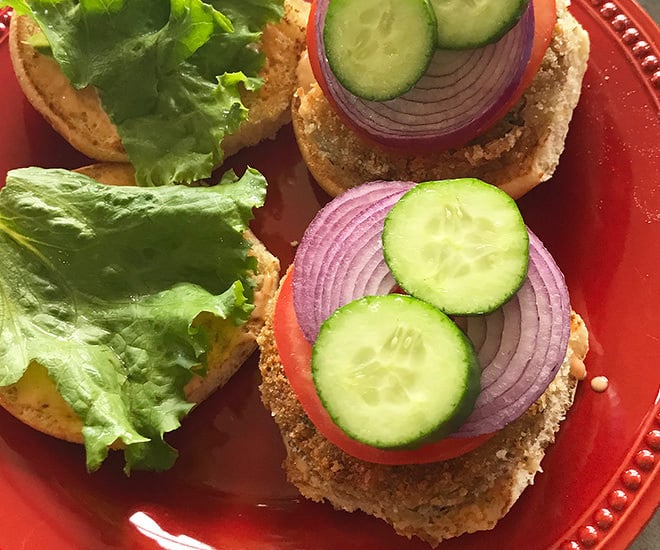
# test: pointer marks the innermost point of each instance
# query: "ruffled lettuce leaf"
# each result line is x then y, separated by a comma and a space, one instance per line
169, 72
103, 285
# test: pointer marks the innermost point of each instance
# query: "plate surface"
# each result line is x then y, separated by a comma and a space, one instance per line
599, 215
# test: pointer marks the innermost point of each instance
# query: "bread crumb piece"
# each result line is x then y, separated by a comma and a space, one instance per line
578, 370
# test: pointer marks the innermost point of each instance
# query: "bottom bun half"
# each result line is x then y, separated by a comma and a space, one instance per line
34, 399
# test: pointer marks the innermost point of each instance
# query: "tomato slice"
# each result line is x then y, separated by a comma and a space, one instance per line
296, 354
313, 55
545, 19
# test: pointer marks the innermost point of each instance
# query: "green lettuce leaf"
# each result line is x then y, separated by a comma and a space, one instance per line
102, 286
169, 72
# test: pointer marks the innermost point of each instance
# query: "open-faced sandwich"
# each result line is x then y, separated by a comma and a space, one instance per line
420, 355
172, 86
423, 90
121, 307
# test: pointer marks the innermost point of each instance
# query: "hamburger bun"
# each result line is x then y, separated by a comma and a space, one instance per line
520, 152
78, 116
35, 400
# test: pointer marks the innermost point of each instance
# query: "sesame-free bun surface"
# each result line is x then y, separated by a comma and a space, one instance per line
34, 398
434, 501
516, 155
78, 116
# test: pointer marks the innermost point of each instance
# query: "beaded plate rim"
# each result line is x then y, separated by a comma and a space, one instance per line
600, 522
629, 31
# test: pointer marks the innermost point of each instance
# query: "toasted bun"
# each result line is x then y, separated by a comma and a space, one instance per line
77, 114
431, 501
519, 153
34, 398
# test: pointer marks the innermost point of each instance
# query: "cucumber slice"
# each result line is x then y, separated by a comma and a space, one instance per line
379, 49
463, 25
461, 245
394, 372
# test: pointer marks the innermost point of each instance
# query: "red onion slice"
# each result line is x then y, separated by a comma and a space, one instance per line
492, 334
461, 95
520, 346
507, 346
329, 273
541, 331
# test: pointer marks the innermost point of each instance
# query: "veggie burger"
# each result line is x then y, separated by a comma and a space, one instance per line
485, 89
420, 355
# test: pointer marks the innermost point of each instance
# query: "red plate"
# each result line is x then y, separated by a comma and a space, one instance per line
600, 216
